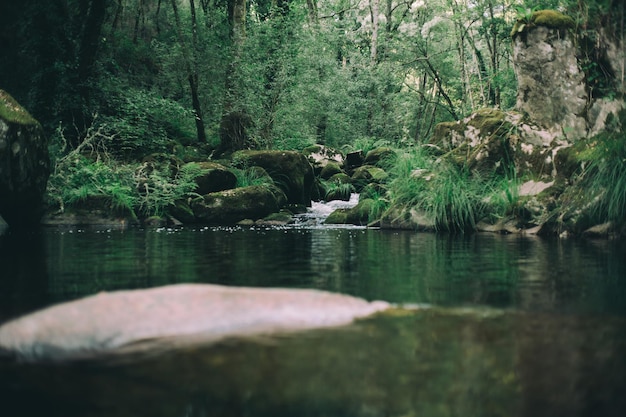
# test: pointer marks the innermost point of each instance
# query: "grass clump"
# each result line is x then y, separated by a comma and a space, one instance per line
454, 197
252, 176
604, 176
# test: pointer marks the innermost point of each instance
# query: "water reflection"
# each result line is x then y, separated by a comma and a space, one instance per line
23, 273
434, 362
520, 326
401, 267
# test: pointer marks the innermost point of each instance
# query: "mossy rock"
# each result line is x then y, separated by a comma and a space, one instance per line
369, 173
24, 164
291, 171
339, 216
407, 218
358, 215
549, 18
340, 178
282, 217
373, 190
481, 141
12, 112
182, 212
380, 157
231, 206
330, 169
215, 177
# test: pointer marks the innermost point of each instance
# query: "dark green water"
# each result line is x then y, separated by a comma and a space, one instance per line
515, 326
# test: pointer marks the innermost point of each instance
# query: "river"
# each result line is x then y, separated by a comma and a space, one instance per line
495, 325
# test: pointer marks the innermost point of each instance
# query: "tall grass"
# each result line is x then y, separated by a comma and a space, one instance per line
605, 176
452, 196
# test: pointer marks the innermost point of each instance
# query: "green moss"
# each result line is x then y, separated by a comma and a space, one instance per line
488, 121
548, 18
552, 19
11, 111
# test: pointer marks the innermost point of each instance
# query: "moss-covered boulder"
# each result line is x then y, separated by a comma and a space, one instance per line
291, 171
24, 164
380, 157
367, 174
231, 206
358, 215
215, 177
479, 142
331, 168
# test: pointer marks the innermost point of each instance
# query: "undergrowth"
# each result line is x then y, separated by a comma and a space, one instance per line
605, 175
89, 172
455, 198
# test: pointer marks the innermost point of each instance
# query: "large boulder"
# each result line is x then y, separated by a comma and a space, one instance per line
231, 206
24, 164
551, 83
291, 171
215, 177
173, 316
480, 142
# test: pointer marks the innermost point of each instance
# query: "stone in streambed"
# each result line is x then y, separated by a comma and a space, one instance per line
175, 315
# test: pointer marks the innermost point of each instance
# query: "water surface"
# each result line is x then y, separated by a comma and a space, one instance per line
515, 326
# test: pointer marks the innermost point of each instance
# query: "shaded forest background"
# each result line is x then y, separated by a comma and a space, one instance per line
159, 75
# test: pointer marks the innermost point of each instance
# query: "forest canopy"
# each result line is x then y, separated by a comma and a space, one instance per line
229, 74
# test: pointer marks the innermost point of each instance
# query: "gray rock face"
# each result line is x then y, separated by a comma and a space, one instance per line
171, 316
24, 164
551, 86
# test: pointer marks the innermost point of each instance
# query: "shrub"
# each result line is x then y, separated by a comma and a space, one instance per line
89, 171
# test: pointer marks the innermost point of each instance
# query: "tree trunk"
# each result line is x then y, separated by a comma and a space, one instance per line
89, 45
190, 67
374, 44
492, 42
235, 121
311, 6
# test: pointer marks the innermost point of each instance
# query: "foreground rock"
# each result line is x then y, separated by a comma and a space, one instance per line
173, 316
24, 164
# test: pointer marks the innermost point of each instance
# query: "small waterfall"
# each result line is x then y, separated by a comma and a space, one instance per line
319, 211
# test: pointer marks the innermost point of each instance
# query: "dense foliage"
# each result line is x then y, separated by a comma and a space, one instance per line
204, 77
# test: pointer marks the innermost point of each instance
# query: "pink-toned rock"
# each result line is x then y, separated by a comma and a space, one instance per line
173, 316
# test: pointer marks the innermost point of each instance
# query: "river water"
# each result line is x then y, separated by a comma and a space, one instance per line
497, 325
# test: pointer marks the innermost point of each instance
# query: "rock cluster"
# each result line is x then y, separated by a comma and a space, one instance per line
24, 164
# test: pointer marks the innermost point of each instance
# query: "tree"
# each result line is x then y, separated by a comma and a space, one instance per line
190, 62
235, 120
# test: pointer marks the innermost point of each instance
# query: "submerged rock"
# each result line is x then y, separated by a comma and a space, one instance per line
24, 164
171, 316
